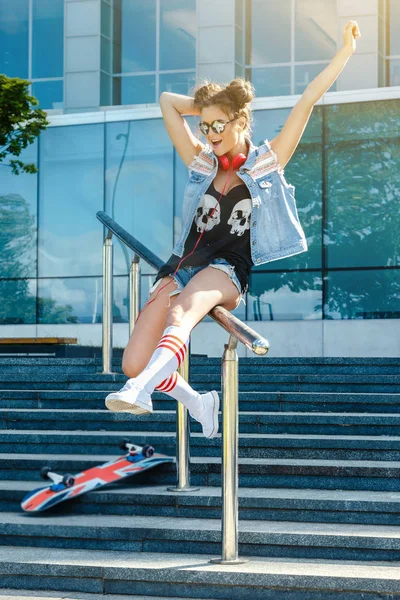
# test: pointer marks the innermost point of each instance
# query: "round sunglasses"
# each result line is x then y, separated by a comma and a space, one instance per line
218, 126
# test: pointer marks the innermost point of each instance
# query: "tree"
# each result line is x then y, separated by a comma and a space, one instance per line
19, 124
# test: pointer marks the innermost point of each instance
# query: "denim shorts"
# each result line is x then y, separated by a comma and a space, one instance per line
185, 274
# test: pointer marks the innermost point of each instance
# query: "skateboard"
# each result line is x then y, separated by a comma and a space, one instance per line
65, 487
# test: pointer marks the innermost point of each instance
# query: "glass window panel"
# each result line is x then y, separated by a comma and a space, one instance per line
304, 74
178, 34
72, 300
138, 89
271, 81
138, 30
268, 32
105, 89
18, 302
139, 185
287, 296
178, 83
394, 66
362, 183
18, 218
105, 53
106, 19
49, 93
14, 38
48, 38
304, 171
315, 30
363, 294
394, 28
71, 192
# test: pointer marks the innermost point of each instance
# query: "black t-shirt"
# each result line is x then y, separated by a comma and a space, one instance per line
226, 235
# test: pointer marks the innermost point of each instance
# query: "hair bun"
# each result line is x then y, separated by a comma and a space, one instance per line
241, 91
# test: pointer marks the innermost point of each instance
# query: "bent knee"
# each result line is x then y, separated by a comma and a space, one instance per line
131, 368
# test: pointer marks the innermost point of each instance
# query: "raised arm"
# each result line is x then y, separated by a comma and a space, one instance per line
173, 106
285, 143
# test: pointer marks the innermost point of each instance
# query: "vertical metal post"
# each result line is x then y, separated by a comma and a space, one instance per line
182, 438
134, 292
107, 303
230, 452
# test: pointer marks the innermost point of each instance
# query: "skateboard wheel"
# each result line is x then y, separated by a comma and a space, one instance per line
147, 451
68, 480
123, 443
44, 472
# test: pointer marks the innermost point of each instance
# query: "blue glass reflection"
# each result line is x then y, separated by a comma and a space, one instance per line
315, 30
394, 66
178, 83
70, 300
362, 183
138, 30
269, 32
270, 81
18, 218
48, 38
49, 93
178, 34
285, 296
14, 38
71, 192
304, 74
363, 294
18, 302
139, 185
135, 89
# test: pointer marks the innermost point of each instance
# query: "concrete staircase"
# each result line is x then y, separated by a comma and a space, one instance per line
319, 476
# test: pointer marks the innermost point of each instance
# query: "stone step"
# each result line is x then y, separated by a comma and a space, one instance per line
251, 445
193, 576
165, 421
288, 539
7, 594
299, 365
206, 471
271, 504
248, 400
42, 380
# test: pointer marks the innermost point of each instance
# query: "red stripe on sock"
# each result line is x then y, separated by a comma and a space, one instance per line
173, 339
172, 348
162, 384
166, 339
174, 378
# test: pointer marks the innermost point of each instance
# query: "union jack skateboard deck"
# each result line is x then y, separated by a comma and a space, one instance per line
65, 487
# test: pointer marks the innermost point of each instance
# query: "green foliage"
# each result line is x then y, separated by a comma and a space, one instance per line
19, 124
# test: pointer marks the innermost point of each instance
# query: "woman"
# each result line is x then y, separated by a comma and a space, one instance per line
238, 211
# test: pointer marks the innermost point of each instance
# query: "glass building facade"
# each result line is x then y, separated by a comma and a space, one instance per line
346, 171
149, 47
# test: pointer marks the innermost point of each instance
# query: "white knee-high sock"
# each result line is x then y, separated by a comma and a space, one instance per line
177, 387
166, 358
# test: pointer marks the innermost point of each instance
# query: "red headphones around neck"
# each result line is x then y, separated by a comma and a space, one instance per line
237, 161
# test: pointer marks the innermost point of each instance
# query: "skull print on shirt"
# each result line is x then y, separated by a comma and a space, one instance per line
240, 217
206, 217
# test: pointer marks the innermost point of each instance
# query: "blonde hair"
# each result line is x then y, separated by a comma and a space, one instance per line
233, 99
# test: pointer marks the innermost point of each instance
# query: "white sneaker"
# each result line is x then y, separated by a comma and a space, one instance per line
131, 398
209, 415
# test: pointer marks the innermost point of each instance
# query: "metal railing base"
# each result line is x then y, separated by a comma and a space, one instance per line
233, 561
182, 489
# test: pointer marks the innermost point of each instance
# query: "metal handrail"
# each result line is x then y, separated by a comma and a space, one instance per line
238, 331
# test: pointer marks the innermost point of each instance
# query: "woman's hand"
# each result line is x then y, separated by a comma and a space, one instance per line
351, 33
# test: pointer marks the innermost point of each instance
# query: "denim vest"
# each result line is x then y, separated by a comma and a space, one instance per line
275, 230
